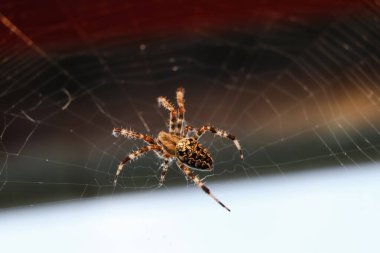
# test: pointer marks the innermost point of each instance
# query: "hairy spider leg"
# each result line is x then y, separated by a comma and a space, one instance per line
220, 133
199, 183
164, 102
165, 167
181, 110
130, 134
135, 155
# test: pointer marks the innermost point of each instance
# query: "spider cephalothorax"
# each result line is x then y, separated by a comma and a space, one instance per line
177, 144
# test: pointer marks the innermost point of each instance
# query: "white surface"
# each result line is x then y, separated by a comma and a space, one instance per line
330, 211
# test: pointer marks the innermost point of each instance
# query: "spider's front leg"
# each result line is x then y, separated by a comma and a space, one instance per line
199, 183
162, 101
220, 133
130, 134
135, 155
181, 109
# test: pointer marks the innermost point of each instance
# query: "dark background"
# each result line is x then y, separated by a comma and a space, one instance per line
296, 81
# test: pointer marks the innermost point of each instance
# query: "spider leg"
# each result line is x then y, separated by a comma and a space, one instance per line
130, 134
198, 182
181, 109
162, 101
135, 155
220, 133
165, 167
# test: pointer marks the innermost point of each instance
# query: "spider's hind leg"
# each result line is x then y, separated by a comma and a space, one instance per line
199, 183
165, 167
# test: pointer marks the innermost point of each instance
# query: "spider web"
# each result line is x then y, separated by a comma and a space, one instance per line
298, 93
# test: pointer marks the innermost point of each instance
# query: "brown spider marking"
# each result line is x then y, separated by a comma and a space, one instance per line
176, 144
192, 153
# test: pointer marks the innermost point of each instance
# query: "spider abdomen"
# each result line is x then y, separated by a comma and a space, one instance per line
192, 153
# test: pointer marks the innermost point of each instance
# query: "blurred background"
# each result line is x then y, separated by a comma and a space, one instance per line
296, 81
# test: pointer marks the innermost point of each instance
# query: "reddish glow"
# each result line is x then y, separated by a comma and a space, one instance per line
72, 22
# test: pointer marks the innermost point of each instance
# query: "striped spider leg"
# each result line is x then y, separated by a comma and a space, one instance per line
135, 155
175, 125
181, 110
199, 183
130, 134
164, 102
220, 133
165, 167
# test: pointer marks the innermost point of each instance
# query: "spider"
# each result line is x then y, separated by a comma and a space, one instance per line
179, 144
